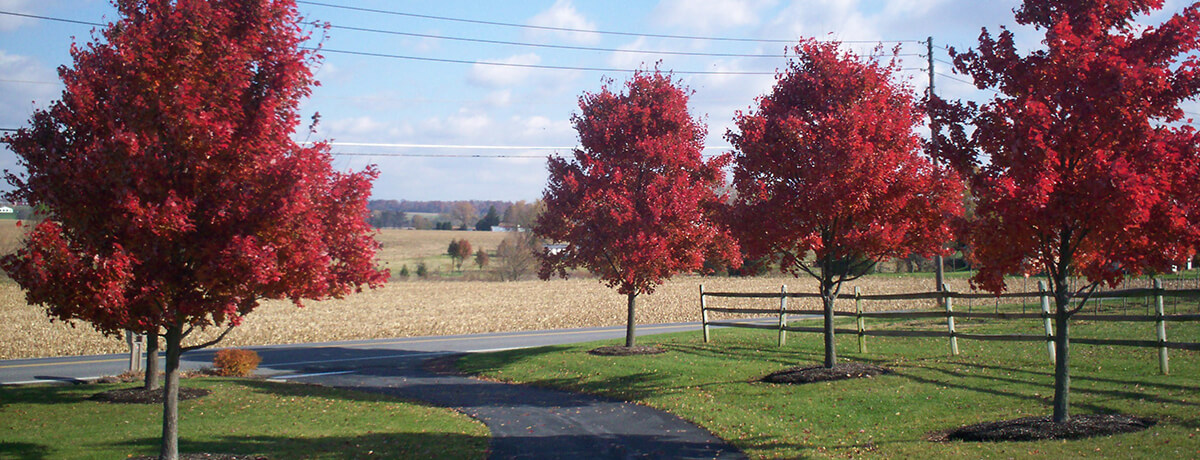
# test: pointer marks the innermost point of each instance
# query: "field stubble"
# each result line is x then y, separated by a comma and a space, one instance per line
424, 308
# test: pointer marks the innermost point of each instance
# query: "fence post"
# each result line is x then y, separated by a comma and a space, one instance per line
1046, 320
862, 339
950, 320
703, 314
136, 343
782, 315
1163, 365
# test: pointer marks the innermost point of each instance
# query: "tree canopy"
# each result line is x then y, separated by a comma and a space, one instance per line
175, 197
634, 205
1080, 164
829, 173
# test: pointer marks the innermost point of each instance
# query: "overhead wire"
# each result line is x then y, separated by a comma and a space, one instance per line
555, 46
531, 66
574, 30
487, 62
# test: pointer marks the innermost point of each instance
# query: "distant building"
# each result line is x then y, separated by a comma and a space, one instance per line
555, 248
6, 210
507, 228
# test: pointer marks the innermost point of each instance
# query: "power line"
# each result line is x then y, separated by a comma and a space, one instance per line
454, 61
48, 18
473, 156
555, 46
552, 46
470, 147
471, 62
952, 77
28, 82
568, 29
530, 66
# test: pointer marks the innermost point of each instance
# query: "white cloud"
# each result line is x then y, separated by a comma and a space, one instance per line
357, 126
8, 22
462, 127
563, 15
632, 60
26, 84
543, 130
498, 76
710, 15
497, 99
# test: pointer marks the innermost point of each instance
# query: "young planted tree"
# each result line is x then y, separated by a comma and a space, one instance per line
633, 207
1087, 171
464, 251
829, 175
516, 256
453, 251
481, 258
175, 198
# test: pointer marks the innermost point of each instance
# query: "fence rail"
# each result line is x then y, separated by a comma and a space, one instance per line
945, 298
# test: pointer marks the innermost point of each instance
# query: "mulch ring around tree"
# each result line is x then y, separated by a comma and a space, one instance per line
799, 375
139, 395
626, 351
1042, 428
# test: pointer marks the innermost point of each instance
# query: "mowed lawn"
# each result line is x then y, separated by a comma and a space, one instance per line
243, 417
715, 385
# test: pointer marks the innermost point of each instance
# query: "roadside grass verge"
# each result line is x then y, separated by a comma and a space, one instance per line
716, 386
244, 417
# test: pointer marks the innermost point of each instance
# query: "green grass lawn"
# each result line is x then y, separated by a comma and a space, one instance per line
715, 385
279, 421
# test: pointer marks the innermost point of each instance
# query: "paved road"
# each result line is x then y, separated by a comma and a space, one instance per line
525, 421
283, 360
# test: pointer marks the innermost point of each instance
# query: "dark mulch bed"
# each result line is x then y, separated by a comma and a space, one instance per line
1042, 428
626, 351
139, 395
844, 371
199, 456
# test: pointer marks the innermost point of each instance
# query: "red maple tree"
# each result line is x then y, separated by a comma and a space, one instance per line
634, 207
828, 174
1087, 169
175, 199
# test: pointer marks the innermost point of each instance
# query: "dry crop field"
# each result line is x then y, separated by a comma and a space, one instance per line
405, 308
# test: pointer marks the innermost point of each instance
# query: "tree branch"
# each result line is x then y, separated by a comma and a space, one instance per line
208, 343
1091, 290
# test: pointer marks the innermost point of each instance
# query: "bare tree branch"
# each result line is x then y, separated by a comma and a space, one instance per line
210, 342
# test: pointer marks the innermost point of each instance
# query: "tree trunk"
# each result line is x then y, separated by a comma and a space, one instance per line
1062, 360
170, 428
151, 381
827, 298
630, 324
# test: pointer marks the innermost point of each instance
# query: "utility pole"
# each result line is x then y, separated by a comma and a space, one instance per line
940, 275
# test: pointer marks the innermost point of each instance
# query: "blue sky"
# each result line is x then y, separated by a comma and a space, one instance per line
410, 112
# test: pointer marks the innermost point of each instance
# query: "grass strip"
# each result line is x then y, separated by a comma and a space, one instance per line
243, 417
716, 386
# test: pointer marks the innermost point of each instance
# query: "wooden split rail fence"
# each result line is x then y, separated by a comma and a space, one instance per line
945, 298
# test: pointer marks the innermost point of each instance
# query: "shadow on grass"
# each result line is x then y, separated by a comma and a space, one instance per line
375, 445
47, 395
494, 361
23, 451
781, 356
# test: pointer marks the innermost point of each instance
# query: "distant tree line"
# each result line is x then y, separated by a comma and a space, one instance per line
453, 215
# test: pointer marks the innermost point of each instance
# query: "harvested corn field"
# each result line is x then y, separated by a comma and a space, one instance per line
448, 302
421, 308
